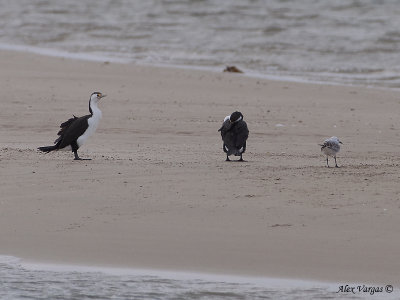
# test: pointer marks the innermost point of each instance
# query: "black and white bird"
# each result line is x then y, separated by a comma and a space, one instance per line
75, 132
234, 133
331, 147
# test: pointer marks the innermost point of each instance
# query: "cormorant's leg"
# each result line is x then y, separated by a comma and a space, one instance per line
76, 155
327, 164
78, 158
336, 163
227, 158
241, 158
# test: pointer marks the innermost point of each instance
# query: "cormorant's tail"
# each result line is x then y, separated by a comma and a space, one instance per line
47, 149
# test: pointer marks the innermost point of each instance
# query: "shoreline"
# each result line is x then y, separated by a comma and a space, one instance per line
281, 284
158, 193
270, 282
56, 53
171, 274
177, 280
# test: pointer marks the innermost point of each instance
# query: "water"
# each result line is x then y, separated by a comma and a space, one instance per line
35, 281
338, 41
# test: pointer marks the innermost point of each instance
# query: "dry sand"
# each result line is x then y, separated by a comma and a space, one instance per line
158, 193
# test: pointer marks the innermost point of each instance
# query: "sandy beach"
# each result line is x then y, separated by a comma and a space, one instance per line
158, 193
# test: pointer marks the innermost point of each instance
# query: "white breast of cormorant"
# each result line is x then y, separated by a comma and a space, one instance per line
93, 122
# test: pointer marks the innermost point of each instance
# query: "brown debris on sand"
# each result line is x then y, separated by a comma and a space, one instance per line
232, 69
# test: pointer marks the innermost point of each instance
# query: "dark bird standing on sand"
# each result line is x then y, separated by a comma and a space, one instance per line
75, 132
234, 134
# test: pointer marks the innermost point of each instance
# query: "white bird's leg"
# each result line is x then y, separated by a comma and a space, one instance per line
327, 163
336, 163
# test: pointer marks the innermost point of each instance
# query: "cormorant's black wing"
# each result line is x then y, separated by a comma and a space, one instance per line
64, 126
241, 133
228, 137
71, 130
225, 128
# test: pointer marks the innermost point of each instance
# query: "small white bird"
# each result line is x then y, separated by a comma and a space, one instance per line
331, 147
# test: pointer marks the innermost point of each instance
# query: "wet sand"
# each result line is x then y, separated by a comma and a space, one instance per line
158, 193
